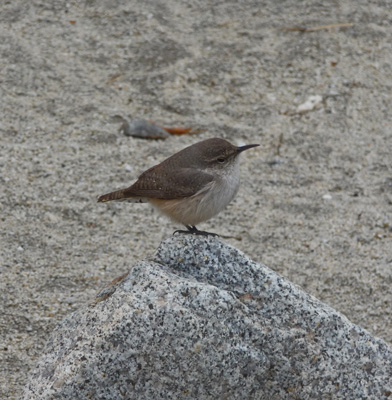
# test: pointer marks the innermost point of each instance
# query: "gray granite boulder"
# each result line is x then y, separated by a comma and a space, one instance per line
200, 320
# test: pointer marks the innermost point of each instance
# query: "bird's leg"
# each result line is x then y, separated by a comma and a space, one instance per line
192, 230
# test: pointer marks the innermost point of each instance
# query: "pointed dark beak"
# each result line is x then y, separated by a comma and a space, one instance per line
246, 147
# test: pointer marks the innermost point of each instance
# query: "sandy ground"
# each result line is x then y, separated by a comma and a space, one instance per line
316, 197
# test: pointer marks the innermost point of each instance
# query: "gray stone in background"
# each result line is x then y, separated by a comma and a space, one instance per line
319, 213
203, 321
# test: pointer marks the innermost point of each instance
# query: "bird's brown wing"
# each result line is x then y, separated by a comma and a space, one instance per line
156, 184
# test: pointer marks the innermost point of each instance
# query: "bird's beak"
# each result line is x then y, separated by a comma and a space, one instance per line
246, 147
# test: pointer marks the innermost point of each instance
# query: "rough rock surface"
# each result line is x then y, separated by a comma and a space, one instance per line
315, 203
203, 321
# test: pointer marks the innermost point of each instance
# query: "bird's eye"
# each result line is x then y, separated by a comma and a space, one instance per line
221, 160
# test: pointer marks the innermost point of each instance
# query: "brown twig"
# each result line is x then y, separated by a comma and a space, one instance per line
112, 78
278, 147
317, 28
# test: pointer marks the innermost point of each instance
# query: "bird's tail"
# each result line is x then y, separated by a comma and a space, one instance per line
121, 195
117, 195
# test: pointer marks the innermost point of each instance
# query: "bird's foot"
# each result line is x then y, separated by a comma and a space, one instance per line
192, 230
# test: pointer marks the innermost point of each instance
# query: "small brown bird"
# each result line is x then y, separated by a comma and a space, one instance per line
192, 185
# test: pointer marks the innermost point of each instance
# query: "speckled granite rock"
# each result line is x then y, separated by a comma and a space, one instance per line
202, 321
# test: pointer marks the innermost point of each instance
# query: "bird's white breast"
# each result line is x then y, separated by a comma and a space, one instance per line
221, 192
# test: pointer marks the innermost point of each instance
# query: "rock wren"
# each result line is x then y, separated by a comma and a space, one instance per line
192, 185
